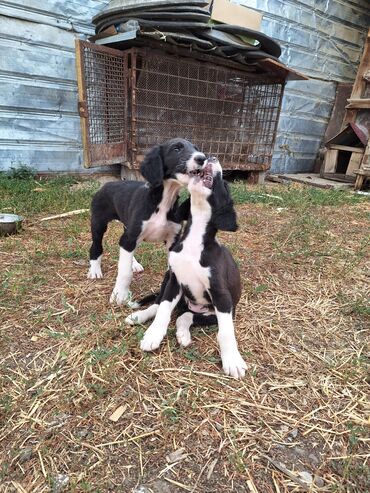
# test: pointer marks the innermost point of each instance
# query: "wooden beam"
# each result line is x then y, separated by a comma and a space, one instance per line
361, 103
330, 162
360, 82
339, 147
354, 163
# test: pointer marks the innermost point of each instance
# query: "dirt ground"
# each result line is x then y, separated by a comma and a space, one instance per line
298, 421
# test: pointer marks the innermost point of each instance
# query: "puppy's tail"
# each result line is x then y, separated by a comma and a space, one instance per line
148, 299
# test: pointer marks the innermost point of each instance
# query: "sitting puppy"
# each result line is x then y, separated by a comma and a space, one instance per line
149, 211
203, 279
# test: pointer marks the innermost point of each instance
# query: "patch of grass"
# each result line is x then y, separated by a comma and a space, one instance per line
6, 404
170, 411
101, 354
152, 256
21, 172
306, 235
303, 342
27, 196
292, 196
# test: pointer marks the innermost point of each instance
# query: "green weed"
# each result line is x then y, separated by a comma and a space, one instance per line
101, 354
291, 196
28, 196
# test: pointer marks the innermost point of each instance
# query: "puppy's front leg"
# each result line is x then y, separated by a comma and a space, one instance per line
120, 291
232, 362
158, 329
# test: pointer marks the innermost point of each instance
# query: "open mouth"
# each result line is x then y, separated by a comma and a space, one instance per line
205, 175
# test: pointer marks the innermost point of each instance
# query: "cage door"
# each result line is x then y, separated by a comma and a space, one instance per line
102, 75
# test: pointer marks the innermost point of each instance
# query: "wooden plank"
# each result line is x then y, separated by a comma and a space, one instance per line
361, 103
82, 99
360, 83
336, 118
330, 162
281, 70
365, 163
354, 163
339, 177
314, 180
339, 147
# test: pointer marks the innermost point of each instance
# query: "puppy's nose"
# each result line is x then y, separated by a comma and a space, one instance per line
199, 159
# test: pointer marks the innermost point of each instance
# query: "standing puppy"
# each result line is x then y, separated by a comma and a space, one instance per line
149, 210
203, 279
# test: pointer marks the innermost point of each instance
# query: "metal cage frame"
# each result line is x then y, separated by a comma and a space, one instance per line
132, 99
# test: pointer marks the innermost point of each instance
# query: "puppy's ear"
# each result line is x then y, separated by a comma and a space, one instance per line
225, 219
224, 216
152, 166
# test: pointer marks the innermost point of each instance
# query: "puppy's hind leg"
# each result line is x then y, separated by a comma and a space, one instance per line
98, 228
232, 361
183, 324
142, 316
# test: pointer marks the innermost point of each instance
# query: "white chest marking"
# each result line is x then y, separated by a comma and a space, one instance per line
157, 227
186, 263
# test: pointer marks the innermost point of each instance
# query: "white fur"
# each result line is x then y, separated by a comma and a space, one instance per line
186, 263
157, 227
95, 269
232, 362
191, 165
120, 293
183, 324
158, 329
141, 316
136, 266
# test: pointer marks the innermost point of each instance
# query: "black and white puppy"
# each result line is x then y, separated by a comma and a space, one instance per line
149, 210
203, 280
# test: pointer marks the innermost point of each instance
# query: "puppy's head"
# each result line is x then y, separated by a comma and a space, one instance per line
209, 184
172, 159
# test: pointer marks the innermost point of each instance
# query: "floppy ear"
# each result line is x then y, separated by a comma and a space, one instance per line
224, 216
225, 219
152, 166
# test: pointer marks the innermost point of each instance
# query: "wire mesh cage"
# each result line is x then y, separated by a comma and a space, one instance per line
143, 96
226, 113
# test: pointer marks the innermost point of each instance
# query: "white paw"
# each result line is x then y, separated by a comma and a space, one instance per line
183, 336
234, 365
95, 269
94, 273
136, 266
152, 339
131, 320
135, 318
119, 296
133, 304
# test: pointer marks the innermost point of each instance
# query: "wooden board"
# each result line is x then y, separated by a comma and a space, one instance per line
354, 163
359, 86
339, 109
330, 161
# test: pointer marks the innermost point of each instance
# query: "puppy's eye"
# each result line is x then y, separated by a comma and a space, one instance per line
177, 149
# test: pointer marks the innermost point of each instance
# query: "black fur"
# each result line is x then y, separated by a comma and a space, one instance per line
133, 202
204, 286
225, 283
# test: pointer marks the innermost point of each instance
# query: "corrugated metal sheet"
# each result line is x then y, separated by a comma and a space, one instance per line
324, 40
39, 124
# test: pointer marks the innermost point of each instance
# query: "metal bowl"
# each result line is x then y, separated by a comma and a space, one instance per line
10, 224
